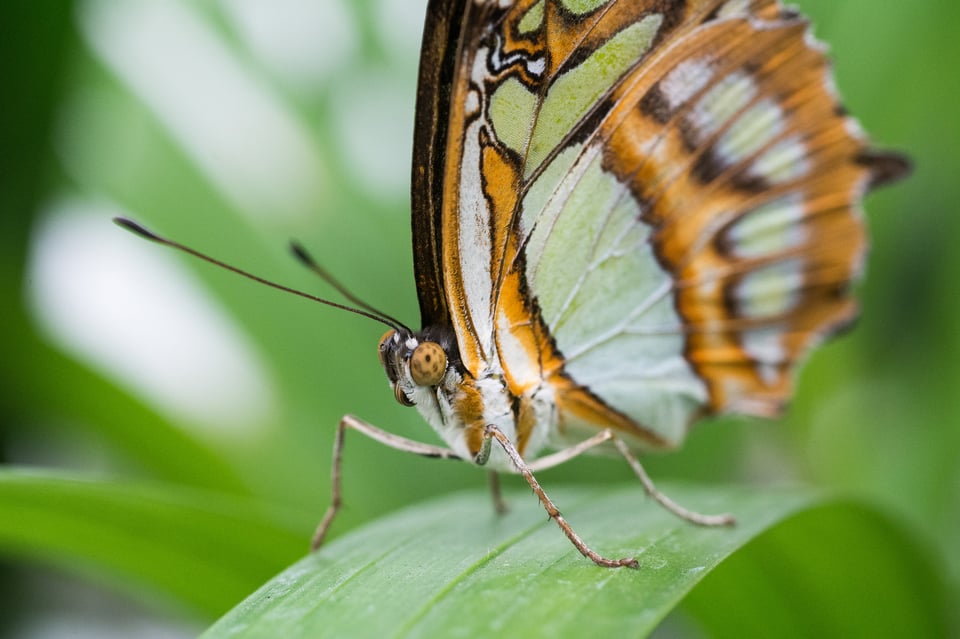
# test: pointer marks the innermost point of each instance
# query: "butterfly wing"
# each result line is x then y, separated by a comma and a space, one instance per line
438, 57
650, 208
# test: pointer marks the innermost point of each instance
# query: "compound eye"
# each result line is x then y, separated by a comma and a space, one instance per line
428, 364
381, 347
401, 396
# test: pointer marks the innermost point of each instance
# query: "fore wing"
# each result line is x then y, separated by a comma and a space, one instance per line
652, 207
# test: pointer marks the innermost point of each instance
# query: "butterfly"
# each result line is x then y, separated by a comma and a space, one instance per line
626, 215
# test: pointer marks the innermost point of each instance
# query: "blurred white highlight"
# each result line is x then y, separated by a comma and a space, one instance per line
132, 312
400, 27
373, 119
300, 41
240, 135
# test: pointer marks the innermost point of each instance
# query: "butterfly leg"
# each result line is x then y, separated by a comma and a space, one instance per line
606, 436
382, 436
499, 504
693, 517
492, 432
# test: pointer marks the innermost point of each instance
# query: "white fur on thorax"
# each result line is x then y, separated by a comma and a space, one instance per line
435, 404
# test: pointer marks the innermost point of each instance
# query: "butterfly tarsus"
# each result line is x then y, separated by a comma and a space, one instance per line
607, 435
723, 519
492, 432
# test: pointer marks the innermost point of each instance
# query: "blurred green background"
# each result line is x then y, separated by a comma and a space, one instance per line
237, 125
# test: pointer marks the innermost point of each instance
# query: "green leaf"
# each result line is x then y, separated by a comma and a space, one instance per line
841, 570
452, 568
207, 550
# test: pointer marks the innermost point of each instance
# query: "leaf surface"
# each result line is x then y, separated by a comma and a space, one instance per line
451, 567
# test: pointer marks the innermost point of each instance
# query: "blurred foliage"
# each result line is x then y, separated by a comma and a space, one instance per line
876, 413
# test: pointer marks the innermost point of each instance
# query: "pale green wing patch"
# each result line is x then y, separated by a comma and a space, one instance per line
604, 297
532, 19
582, 7
511, 110
575, 92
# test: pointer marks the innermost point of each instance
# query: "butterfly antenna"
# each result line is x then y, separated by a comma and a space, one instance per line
301, 254
145, 233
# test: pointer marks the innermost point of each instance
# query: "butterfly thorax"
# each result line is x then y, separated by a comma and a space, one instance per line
425, 370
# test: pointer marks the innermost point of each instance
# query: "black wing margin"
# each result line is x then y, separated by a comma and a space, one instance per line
438, 67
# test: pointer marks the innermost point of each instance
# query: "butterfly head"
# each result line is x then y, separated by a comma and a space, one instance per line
417, 362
